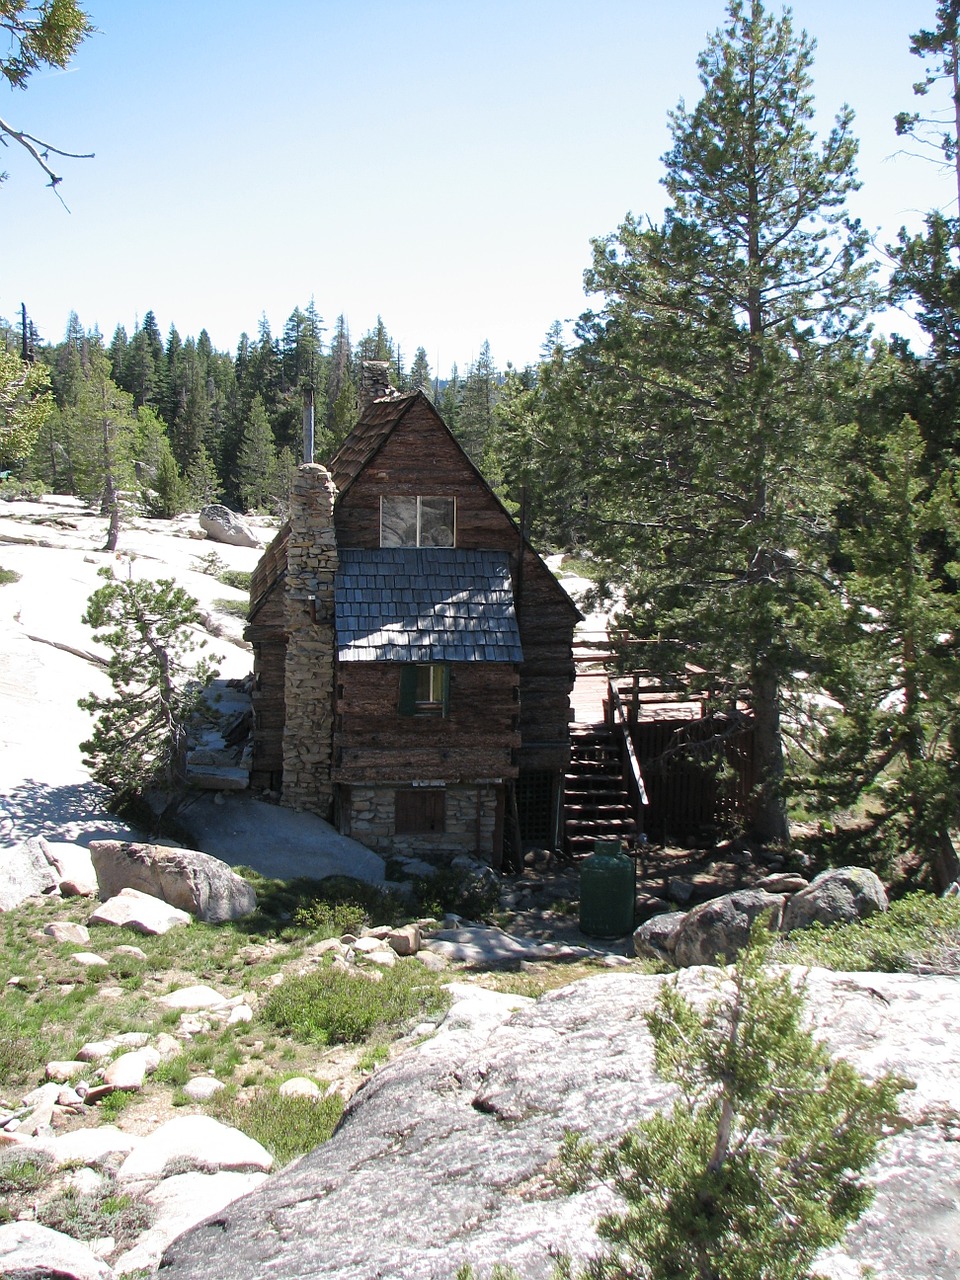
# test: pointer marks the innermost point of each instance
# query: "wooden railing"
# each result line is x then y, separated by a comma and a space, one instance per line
632, 777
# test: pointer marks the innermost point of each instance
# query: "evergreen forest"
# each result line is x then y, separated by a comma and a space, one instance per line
770, 490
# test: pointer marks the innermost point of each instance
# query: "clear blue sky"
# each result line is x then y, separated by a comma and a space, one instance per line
440, 162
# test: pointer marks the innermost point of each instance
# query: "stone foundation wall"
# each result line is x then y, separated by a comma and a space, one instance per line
371, 821
308, 613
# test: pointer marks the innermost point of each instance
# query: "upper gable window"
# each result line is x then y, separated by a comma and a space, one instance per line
418, 522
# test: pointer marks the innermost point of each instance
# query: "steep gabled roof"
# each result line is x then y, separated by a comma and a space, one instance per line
425, 604
366, 438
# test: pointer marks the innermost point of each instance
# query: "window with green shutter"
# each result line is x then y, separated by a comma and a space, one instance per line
424, 689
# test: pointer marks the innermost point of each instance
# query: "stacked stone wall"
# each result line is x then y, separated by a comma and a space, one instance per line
371, 821
308, 609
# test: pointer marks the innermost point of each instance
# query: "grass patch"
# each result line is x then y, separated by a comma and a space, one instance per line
238, 608
91, 1216
23, 1175
919, 934
112, 1104
287, 1127
8, 576
334, 1006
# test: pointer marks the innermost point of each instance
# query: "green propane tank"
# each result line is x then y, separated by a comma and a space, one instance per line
607, 890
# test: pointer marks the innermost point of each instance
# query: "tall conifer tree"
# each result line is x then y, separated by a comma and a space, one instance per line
700, 387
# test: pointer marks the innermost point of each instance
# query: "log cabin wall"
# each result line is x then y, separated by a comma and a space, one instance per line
266, 631
419, 456
476, 738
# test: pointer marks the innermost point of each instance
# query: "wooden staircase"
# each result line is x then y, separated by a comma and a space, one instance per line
596, 803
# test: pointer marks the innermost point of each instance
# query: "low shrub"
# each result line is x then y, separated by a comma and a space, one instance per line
93, 1215
337, 1006
7, 576
331, 919
919, 934
238, 578
25, 490
287, 1127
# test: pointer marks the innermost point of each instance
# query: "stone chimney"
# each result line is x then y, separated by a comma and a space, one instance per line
374, 384
312, 562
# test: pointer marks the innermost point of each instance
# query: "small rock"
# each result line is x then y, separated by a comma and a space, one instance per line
89, 959
196, 997
70, 1098
680, 890
125, 949
200, 1088
198, 1138
42, 1095
432, 961
62, 1071
405, 941
299, 1087
28, 1249
85, 1181
386, 959
167, 1046
241, 1013
656, 938
783, 882
131, 1069
223, 525
77, 889
67, 931
132, 909
97, 1093
836, 896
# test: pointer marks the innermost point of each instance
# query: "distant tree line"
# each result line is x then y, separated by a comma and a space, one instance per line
182, 424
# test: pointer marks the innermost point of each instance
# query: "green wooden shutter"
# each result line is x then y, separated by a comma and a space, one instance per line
408, 690
445, 699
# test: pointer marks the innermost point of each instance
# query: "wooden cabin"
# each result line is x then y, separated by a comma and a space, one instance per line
413, 653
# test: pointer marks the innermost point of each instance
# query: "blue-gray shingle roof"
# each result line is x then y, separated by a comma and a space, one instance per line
425, 604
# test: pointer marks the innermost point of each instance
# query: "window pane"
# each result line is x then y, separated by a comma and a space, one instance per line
398, 522
436, 522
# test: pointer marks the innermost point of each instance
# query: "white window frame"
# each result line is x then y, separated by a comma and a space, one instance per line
420, 500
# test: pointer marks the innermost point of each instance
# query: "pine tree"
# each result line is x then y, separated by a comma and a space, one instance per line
895, 673
162, 488
478, 397
699, 397
420, 378
759, 1163
938, 132
256, 459
139, 739
25, 405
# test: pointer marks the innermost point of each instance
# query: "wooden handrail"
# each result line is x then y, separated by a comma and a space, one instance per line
621, 721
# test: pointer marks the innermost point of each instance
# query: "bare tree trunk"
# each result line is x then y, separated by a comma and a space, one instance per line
770, 819
112, 503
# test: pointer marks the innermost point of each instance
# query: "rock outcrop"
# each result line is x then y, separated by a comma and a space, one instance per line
26, 870
444, 1157
836, 896
185, 878
223, 525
